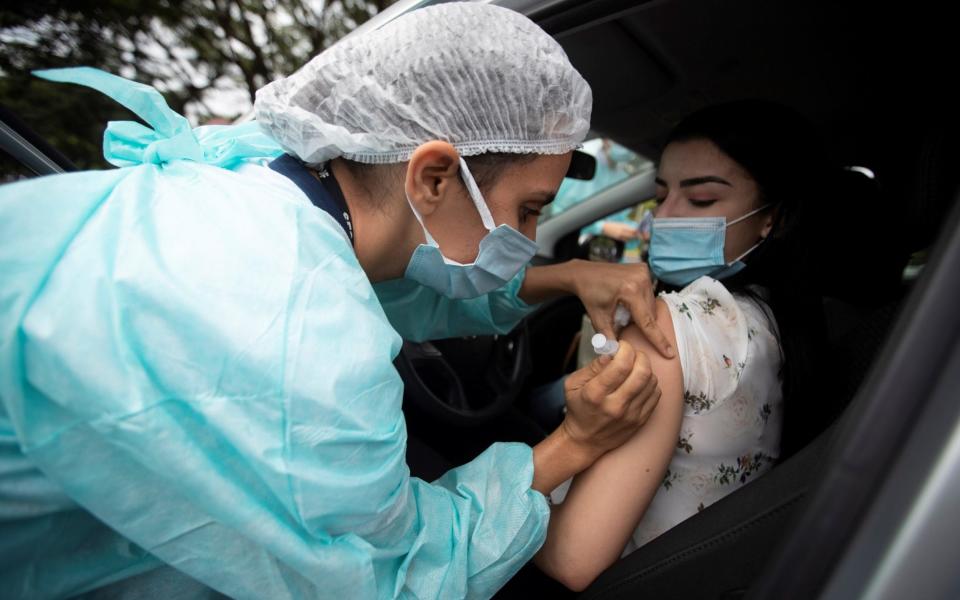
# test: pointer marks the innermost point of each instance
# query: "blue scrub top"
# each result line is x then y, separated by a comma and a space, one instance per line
196, 372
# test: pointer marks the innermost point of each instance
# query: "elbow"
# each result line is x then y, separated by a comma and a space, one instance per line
573, 575
577, 580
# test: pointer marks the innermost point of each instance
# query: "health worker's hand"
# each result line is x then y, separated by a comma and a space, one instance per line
601, 286
608, 400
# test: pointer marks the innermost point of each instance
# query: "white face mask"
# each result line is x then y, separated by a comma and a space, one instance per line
502, 254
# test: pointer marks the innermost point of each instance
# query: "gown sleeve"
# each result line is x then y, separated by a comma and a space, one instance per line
418, 313
195, 357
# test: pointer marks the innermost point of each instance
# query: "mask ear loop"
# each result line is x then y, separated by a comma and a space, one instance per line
476, 196
473, 191
753, 247
749, 250
426, 234
748, 215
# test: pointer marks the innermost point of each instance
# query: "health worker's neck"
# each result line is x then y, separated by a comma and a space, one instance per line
384, 237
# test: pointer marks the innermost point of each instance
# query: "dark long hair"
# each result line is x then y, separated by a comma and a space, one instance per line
781, 152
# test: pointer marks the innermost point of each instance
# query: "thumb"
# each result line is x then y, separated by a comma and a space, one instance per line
603, 323
580, 377
643, 311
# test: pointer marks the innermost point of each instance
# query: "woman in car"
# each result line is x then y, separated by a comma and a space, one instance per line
728, 248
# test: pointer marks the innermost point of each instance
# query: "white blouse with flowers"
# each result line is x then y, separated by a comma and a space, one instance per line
733, 404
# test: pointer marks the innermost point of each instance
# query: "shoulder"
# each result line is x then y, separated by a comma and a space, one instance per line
253, 213
704, 299
758, 315
210, 260
713, 338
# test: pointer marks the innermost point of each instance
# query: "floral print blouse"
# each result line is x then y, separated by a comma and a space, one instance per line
733, 404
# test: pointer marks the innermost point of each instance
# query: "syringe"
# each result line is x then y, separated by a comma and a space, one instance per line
601, 345
621, 316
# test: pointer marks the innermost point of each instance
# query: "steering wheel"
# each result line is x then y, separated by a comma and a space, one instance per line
466, 381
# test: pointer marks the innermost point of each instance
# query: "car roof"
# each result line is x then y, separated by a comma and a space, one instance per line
848, 68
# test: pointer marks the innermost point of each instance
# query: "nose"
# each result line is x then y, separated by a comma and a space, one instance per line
667, 208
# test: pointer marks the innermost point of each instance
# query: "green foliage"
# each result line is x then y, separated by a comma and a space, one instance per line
196, 52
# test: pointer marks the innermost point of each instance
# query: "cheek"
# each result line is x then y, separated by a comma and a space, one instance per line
507, 210
738, 241
529, 228
504, 212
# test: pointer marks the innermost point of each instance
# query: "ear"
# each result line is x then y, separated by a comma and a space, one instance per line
432, 175
768, 222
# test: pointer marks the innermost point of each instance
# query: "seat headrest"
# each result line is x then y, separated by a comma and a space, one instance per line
860, 250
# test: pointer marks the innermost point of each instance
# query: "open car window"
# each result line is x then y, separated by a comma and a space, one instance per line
616, 237
615, 163
622, 237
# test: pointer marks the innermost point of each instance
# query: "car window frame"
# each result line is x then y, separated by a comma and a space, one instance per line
26, 147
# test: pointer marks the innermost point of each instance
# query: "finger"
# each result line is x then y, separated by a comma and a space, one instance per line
646, 410
603, 323
644, 315
642, 411
659, 339
613, 374
646, 400
642, 365
646, 293
637, 386
580, 377
644, 403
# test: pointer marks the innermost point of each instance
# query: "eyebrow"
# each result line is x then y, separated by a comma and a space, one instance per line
696, 181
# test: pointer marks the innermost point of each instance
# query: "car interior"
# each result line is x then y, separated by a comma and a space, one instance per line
869, 78
874, 79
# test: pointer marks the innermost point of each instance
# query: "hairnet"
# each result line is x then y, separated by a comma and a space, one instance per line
484, 78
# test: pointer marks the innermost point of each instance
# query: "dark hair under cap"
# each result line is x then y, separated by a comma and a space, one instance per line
775, 144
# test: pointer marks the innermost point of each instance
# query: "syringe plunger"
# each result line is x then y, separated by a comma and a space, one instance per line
601, 345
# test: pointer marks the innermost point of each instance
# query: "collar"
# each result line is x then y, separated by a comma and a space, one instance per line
324, 193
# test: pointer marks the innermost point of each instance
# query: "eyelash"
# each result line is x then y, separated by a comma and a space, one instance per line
525, 213
696, 203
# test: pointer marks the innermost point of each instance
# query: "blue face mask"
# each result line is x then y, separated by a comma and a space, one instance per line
683, 249
503, 253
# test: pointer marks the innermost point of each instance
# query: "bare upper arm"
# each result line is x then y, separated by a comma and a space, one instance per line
590, 529
662, 367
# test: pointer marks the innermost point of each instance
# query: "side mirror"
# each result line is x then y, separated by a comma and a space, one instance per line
582, 166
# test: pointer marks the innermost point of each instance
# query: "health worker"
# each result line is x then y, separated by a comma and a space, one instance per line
197, 393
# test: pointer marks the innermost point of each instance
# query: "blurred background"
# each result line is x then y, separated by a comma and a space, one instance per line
207, 57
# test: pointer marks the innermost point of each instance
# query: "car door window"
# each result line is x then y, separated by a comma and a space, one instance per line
615, 163
617, 237
621, 237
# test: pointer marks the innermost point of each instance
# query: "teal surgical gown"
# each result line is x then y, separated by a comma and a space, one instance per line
196, 372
